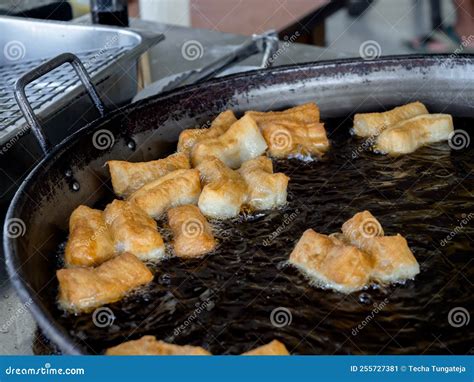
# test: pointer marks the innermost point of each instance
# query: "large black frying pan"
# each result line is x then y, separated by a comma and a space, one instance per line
244, 295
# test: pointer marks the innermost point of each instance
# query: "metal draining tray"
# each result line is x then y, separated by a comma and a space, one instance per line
109, 54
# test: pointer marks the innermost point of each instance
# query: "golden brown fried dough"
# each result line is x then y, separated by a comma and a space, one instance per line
241, 142
177, 188
266, 189
290, 139
149, 345
224, 191
391, 257
89, 242
293, 132
128, 177
273, 348
372, 124
330, 263
302, 114
192, 234
361, 229
134, 231
188, 138
83, 289
411, 134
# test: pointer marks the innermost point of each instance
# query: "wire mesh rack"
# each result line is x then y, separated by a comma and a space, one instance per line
47, 88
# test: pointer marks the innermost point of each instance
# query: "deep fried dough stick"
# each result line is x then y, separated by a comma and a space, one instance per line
241, 142
330, 263
189, 137
372, 124
128, 177
134, 231
89, 243
224, 191
192, 233
411, 134
266, 189
177, 188
83, 289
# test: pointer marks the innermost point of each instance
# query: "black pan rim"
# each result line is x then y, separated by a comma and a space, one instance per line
56, 333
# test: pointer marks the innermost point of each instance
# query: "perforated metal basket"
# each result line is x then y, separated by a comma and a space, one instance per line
109, 55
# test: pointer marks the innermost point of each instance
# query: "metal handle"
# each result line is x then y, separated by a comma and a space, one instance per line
266, 43
270, 48
258, 43
41, 70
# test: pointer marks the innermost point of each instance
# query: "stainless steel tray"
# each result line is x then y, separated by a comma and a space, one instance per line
109, 54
